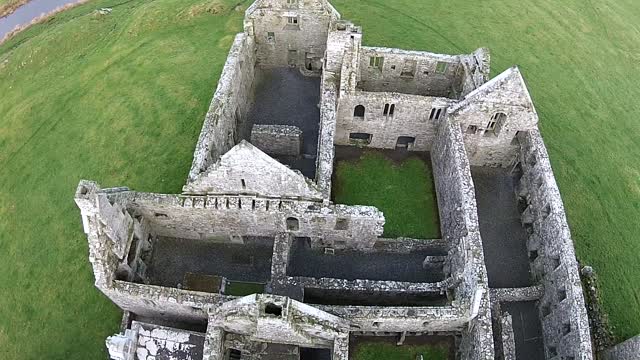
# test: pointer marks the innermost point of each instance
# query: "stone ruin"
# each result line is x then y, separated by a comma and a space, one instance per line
255, 261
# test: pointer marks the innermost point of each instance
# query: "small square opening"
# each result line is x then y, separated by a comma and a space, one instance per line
273, 309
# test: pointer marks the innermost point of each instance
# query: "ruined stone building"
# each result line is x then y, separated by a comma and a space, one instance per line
253, 260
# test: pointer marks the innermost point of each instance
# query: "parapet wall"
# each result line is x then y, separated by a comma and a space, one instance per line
229, 107
459, 226
563, 313
220, 217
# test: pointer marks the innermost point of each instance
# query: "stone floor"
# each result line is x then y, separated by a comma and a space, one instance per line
285, 97
172, 258
527, 330
353, 265
503, 237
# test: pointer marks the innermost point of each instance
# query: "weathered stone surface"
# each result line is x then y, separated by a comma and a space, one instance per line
369, 96
277, 139
628, 350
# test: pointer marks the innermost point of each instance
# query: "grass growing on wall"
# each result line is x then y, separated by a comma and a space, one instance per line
388, 351
404, 192
116, 98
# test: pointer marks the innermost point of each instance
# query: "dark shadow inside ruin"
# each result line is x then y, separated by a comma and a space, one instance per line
286, 97
315, 354
527, 329
503, 238
353, 265
348, 297
176, 262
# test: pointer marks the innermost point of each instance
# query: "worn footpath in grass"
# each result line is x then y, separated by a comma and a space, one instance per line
116, 98
404, 192
388, 351
580, 60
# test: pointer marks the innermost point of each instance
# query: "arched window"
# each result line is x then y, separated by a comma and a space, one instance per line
359, 111
293, 224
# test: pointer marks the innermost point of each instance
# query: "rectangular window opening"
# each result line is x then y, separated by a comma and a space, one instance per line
472, 129
376, 62
271, 36
441, 67
342, 224
392, 109
386, 109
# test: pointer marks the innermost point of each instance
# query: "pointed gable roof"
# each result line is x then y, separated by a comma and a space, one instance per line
245, 169
507, 88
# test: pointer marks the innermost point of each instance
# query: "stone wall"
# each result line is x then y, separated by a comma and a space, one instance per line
628, 350
277, 139
247, 170
410, 118
290, 34
326, 152
563, 313
505, 94
220, 217
410, 72
229, 107
459, 226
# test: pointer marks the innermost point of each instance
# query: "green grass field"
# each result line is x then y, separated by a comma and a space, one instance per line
388, 351
121, 98
404, 192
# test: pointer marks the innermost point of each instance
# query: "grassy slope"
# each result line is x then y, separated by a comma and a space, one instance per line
405, 193
119, 99
387, 351
580, 60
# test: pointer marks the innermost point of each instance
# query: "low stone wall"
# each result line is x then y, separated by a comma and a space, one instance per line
628, 350
508, 338
563, 314
277, 139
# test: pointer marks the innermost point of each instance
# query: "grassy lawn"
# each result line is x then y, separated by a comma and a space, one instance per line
117, 98
120, 99
404, 192
387, 351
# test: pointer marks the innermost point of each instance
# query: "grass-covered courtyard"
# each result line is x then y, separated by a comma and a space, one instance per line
120, 99
377, 350
403, 190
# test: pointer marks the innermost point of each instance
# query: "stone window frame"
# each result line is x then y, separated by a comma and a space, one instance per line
293, 22
441, 67
376, 62
271, 37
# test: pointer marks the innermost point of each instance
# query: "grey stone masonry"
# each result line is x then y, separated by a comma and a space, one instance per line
628, 350
306, 272
277, 139
508, 339
562, 308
